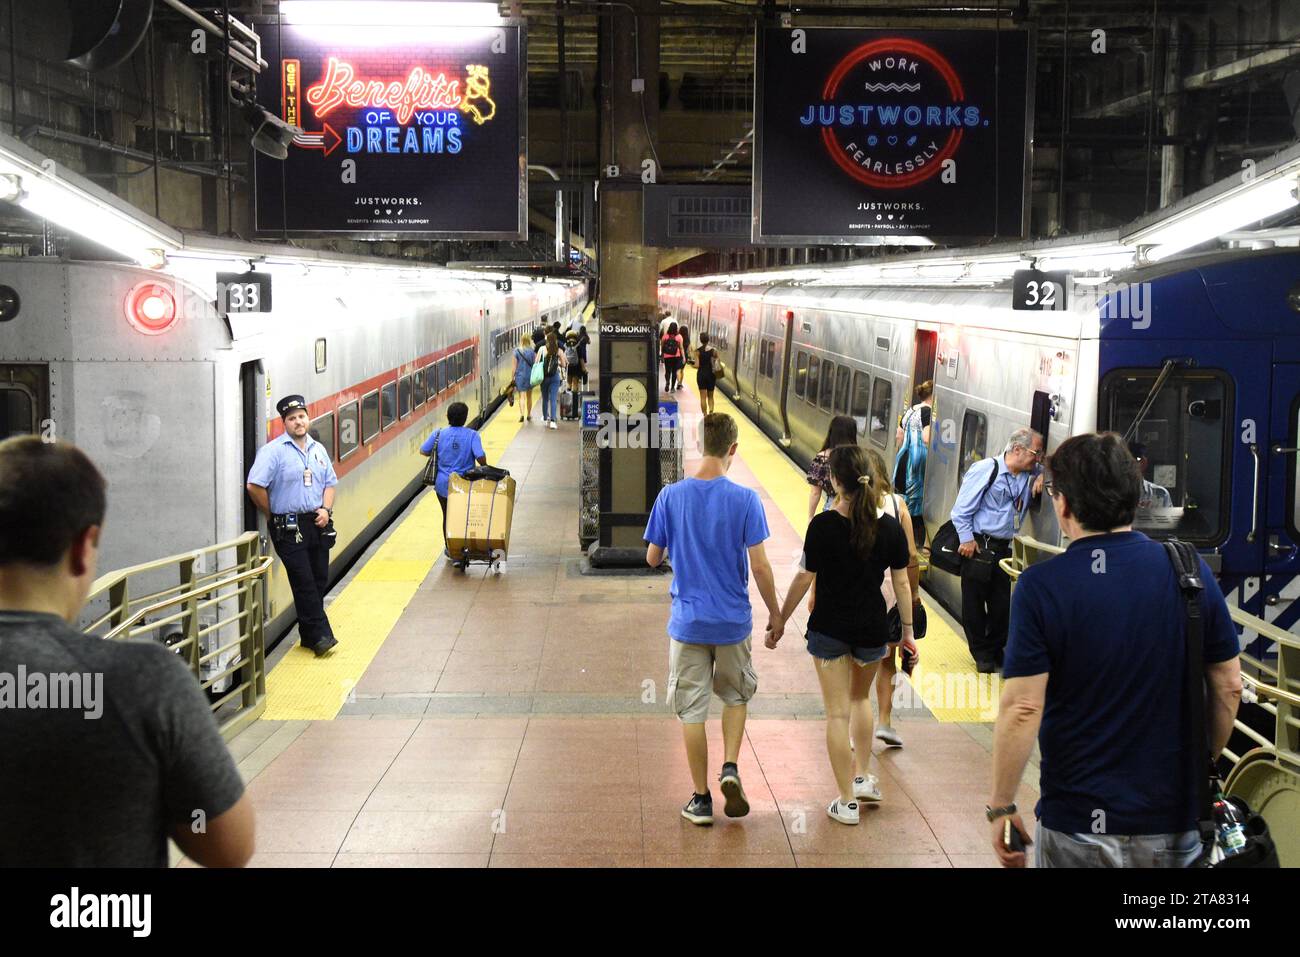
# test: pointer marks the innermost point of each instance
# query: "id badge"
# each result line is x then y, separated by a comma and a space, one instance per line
306, 478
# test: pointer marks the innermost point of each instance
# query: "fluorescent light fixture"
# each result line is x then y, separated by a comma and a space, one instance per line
47, 190
389, 13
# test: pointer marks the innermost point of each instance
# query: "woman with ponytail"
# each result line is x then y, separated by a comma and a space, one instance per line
847, 551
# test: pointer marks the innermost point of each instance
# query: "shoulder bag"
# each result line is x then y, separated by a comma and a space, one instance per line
943, 547
1259, 849
431, 466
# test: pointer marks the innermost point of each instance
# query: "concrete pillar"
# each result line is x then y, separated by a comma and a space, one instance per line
630, 476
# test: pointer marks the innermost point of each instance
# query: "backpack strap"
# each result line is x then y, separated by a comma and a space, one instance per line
1187, 571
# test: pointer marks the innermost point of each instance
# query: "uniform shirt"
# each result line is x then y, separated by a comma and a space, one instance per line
1154, 496
1002, 508
279, 468
708, 525
458, 449
100, 780
1113, 644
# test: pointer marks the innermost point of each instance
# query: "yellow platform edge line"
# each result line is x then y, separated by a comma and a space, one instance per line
302, 687
945, 679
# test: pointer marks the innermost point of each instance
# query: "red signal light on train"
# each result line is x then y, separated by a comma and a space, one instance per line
151, 308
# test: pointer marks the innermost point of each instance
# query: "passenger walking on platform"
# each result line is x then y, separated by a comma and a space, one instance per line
686, 344
995, 495
848, 551
292, 483
573, 363
457, 447
843, 431
523, 377
552, 360
1096, 670
706, 377
584, 340
670, 350
120, 750
913, 440
712, 530
888, 503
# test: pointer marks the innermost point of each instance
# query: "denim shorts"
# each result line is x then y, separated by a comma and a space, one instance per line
828, 649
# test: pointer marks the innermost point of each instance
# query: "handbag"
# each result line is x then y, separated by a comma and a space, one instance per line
1258, 849
535, 376
719, 370
431, 466
943, 547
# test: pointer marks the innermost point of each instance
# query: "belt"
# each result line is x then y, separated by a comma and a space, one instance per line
311, 514
994, 538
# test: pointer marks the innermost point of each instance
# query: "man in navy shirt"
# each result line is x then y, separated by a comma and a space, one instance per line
1096, 655
458, 449
713, 531
995, 495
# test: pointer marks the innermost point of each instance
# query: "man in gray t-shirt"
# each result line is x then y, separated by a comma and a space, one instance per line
107, 748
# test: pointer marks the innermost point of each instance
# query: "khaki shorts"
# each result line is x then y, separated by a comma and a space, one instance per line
695, 670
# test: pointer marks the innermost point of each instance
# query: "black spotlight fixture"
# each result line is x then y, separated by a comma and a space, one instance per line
10, 304
271, 136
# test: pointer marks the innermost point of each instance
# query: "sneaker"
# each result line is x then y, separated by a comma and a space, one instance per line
867, 789
699, 809
737, 803
888, 735
846, 812
553, 425
521, 418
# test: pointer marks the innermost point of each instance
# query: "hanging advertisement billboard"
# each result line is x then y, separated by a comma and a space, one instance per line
407, 134
874, 136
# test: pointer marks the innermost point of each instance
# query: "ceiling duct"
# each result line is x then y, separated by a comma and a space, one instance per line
106, 32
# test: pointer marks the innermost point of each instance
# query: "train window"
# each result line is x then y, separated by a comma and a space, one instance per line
322, 430
974, 439
1183, 444
17, 412
369, 416
814, 365
349, 430
403, 396
800, 373
441, 377
320, 355
842, 390
420, 393
882, 395
860, 408
828, 385
388, 405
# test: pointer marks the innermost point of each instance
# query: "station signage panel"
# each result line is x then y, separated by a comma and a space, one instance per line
1038, 291
863, 135
408, 134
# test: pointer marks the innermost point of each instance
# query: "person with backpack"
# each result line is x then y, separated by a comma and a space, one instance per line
670, 350
573, 361
913, 439
455, 448
584, 340
1098, 667
706, 377
994, 497
523, 376
553, 363
848, 550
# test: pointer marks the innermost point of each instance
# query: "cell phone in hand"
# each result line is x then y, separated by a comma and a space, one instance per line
1011, 838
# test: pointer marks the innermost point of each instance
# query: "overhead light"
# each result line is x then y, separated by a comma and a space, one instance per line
272, 136
389, 13
45, 189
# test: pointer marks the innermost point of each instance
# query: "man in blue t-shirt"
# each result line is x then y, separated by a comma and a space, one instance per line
713, 531
1096, 654
458, 449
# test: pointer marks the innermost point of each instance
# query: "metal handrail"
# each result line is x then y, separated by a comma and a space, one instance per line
240, 632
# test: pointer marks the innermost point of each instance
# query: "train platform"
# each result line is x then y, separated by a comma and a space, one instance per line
472, 720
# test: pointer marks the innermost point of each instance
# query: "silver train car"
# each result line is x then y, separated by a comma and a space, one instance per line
172, 398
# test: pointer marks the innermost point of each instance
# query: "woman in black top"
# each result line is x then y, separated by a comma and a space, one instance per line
583, 340
847, 551
706, 378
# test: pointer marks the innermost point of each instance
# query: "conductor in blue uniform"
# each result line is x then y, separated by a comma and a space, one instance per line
292, 482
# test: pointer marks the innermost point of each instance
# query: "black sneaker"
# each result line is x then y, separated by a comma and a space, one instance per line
324, 646
699, 809
737, 804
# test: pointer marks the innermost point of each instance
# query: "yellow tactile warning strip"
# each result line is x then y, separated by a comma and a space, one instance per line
304, 687
945, 679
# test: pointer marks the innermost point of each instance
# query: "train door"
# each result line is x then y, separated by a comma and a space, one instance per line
485, 358
787, 350
1279, 456
924, 350
24, 399
254, 400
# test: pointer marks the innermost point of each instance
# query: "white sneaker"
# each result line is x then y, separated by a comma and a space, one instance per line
553, 425
846, 812
888, 735
867, 789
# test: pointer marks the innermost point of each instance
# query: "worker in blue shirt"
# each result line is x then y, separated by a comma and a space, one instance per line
994, 497
292, 483
458, 448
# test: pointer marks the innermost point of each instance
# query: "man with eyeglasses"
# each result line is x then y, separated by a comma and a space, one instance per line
995, 495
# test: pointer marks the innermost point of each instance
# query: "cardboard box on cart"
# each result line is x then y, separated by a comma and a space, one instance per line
478, 515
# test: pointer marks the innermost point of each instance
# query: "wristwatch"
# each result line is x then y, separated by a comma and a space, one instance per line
328, 511
993, 813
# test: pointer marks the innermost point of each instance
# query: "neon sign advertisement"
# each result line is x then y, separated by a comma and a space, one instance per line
418, 139
891, 135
